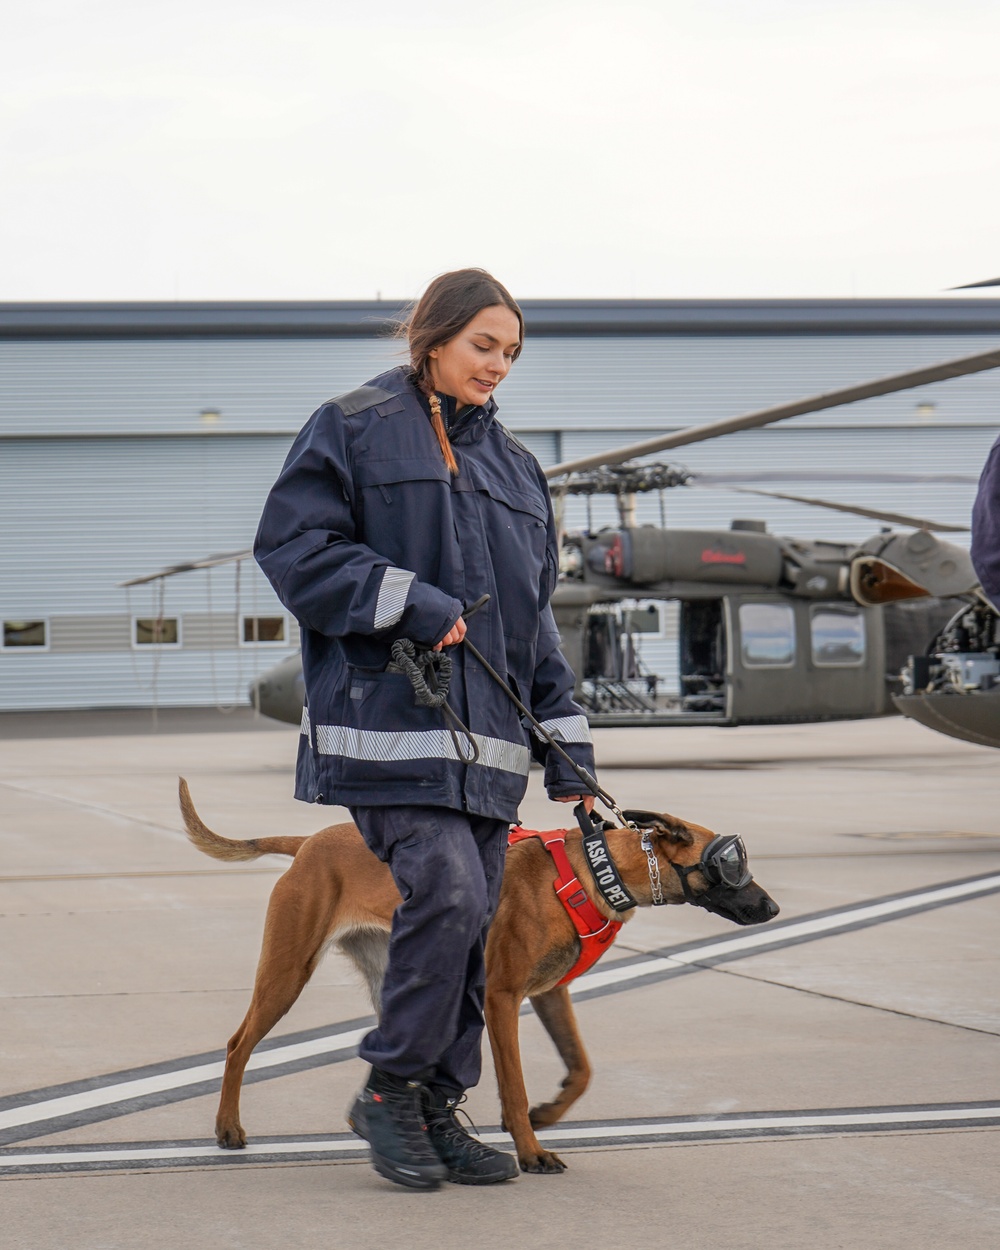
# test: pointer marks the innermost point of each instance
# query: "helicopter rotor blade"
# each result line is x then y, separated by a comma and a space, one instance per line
833, 475
782, 412
891, 518
968, 286
209, 562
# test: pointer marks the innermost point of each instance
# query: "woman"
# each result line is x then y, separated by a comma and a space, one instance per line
399, 505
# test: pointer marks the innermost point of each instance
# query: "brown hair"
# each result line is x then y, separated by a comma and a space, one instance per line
444, 309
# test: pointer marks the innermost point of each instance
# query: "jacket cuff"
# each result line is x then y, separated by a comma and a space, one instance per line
560, 780
429, 614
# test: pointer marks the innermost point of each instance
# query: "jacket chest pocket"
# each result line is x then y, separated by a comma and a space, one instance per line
403, 503
517, 529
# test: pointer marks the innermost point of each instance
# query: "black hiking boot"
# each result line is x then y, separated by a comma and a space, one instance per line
388, 1114
469, 1162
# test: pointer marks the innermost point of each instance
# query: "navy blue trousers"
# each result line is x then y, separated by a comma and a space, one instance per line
448, 867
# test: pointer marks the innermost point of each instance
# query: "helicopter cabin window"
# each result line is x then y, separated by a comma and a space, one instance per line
767, 631
25, 635
263, 631
838, 634
156, 631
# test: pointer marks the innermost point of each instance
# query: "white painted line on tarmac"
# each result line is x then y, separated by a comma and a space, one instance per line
760, 939
614, 1132
125, 1091
132, 1156
787, 1123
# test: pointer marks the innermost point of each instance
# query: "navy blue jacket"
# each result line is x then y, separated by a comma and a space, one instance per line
366, 538
985, 550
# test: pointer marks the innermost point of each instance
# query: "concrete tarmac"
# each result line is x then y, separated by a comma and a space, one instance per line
836, 1084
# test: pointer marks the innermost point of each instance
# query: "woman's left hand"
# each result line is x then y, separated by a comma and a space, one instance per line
453, 636
586, 799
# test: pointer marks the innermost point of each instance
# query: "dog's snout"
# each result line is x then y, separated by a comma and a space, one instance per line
772, 907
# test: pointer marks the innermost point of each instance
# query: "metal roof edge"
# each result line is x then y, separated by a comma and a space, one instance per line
544, 317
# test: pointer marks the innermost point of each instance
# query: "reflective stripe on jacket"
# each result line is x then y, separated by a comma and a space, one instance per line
366, 538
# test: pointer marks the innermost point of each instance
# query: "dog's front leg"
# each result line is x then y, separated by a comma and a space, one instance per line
502, 1021
555, 1010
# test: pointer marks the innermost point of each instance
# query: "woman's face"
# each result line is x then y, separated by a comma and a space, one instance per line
473, 363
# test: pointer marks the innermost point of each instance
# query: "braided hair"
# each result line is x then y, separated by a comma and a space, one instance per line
437, 422
444, 309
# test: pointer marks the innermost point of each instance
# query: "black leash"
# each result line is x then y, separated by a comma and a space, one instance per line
427, 667
587, 778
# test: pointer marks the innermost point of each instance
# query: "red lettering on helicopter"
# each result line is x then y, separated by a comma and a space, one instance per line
614, 558
708, 556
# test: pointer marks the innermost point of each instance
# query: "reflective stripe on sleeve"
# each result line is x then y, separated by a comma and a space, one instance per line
392, 596
380, 746
566, 729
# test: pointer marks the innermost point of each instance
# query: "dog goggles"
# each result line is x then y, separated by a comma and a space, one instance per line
723, 864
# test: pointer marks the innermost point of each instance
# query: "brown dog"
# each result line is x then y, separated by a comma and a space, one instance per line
338, 892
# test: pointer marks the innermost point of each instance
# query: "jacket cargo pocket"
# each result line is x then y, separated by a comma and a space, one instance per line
385, 736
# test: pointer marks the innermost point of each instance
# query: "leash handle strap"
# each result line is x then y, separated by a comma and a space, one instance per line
596, 933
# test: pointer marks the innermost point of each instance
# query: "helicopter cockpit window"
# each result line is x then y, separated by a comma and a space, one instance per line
767, 633
838, 634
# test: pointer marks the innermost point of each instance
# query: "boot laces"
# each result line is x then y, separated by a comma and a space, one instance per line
406, 1109
443, 1122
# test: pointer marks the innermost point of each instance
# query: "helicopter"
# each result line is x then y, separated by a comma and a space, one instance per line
769, 629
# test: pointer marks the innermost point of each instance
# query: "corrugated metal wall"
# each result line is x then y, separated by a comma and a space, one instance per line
113, 463
586, 383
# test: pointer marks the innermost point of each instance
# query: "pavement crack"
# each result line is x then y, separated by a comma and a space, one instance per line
842, 998
100, 808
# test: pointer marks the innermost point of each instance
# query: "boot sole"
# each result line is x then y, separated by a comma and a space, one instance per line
456, 1178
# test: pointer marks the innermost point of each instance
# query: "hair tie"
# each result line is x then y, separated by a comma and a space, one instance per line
437, 421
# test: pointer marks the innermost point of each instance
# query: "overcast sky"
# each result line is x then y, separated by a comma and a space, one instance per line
292, 149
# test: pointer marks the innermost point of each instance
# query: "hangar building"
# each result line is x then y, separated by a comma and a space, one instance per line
139, 436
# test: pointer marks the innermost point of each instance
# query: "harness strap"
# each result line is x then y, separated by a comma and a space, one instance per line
596, 932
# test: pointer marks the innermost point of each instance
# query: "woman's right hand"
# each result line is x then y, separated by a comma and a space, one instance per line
453, 636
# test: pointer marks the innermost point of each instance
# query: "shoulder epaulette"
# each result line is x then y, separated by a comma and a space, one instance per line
358, 400
514, 439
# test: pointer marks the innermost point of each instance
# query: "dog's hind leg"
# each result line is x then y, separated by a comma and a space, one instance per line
295, 934
555, 1010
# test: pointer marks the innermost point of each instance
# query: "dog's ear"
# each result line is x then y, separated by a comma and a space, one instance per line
645, 820
665, 826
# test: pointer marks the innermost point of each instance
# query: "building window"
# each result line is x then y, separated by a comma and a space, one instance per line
25, 635
767, 633
838, 635
156, 631
643, 619
263, 631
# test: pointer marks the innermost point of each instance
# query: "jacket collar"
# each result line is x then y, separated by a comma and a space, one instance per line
466, 425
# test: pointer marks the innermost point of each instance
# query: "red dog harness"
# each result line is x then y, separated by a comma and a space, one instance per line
595, 932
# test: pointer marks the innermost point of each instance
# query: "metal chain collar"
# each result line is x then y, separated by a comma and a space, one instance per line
653, 864
646, 842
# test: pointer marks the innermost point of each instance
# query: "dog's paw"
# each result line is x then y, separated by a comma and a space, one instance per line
231, 1137
544, 1162
545, 1114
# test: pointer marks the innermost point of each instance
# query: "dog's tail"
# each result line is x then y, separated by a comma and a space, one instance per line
229, 848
